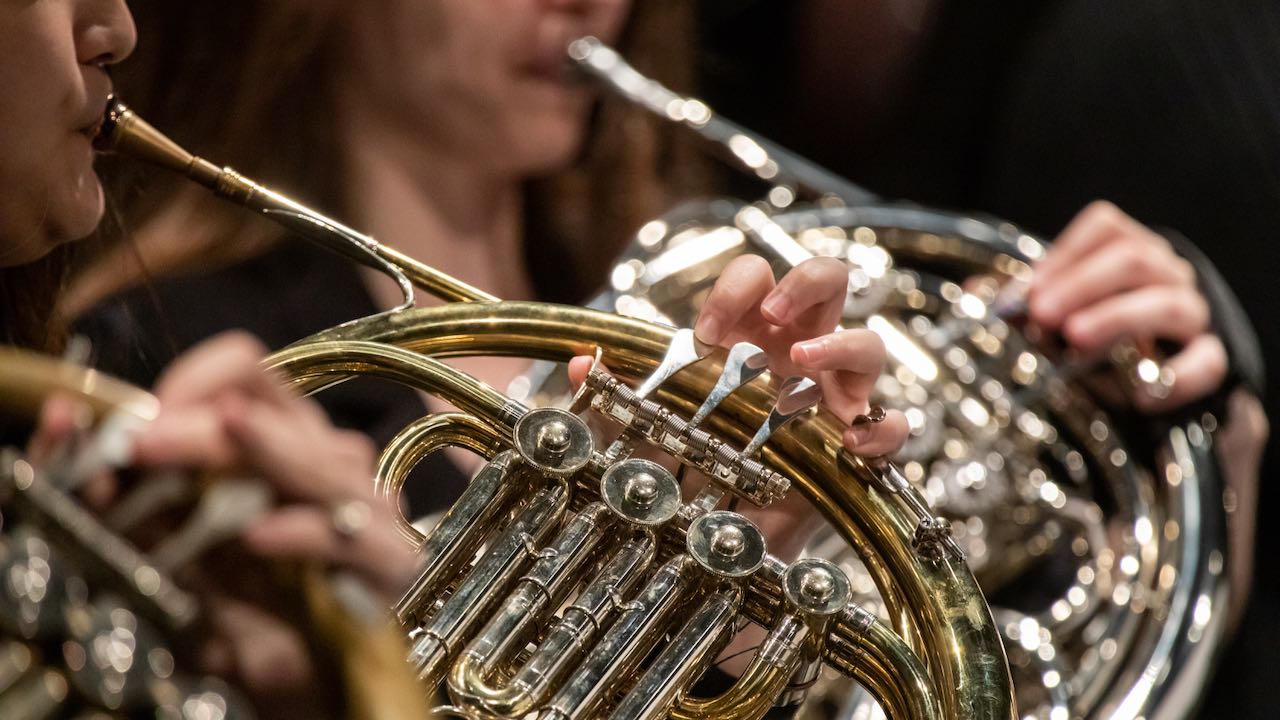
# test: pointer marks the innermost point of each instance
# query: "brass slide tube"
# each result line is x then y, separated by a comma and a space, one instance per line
626, 643
764, 678
538, 594
475, 598
691, 650
421, 438
572, 636
459, 535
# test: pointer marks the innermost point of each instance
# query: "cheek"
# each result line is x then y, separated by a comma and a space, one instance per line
612, 17
47, 198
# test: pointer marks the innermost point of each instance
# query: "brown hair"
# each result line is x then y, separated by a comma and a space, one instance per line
248, 83
28, 296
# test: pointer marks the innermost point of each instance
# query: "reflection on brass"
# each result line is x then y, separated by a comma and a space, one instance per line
513, 543
1110, 566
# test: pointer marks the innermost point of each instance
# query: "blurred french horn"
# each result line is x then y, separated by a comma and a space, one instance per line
92, 626
1098, 535
649, 586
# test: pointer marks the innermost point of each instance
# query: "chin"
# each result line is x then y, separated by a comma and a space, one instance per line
548, 147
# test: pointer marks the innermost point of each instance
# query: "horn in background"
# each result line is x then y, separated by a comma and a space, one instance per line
1099, 537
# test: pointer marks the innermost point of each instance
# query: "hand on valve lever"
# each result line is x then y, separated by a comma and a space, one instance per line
795, 322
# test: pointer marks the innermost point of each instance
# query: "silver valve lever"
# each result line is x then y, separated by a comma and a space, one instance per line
797, 395
682, 353
745, 363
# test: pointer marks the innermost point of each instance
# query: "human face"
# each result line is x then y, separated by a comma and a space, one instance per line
485, 79
54, 88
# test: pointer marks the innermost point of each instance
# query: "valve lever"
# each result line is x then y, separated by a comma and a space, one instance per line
798, 394
744, 363
682, 353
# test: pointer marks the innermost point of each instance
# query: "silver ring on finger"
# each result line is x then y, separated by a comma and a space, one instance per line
348, 518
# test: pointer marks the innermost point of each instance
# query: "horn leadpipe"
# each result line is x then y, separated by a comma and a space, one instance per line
123, 131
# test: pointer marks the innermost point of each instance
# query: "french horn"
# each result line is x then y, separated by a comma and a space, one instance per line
92, 626
575, 580
1099, 539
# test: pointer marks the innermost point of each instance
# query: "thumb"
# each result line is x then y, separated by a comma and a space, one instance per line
579, 367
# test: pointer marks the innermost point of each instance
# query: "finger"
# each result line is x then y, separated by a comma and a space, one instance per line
1111, 269
743, 284
100, 489
1162, 311
579, 367
322, 464
1198, 370
855, 356
306, 533
813, 292
230, 361
60, 417
192, 437
875, 439
295, 532
1098, 223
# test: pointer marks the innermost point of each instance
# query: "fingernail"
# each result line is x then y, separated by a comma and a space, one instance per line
778, 307
708, 329
809, 351
859, 434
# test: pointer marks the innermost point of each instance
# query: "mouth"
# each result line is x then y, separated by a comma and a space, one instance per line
91, 127
91, 131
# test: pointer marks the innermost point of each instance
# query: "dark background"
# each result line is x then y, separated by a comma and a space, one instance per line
1030, 110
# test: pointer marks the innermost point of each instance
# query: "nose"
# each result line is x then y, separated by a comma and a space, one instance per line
105, 32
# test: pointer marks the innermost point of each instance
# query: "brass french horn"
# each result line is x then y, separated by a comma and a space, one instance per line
1100, 541
91, 624
554, 523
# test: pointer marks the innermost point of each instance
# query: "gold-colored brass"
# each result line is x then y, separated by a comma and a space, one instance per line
943, 657
1101, 531
122, 582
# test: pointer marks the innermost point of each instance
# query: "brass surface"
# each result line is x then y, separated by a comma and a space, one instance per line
938, 610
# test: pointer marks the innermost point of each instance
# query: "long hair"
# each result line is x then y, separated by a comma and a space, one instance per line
28, 296
250, 83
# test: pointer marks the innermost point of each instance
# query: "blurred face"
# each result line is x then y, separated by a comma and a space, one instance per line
484, 78
53, 89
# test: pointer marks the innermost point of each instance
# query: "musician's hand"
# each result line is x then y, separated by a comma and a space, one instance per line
221, 412
1109, 277
795, 322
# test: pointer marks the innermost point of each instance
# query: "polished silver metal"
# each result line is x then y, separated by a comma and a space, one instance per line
683, 351
641, 492
114, 656
755, 154
726, 544
728, 468
744, 363
224, 510
626, 642
460, 532
689, 654
816, 586
797, 395
441, 635
554, 441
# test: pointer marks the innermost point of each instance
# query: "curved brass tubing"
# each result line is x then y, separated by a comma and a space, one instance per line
873, 522
419, 439
886, 667
29, 378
